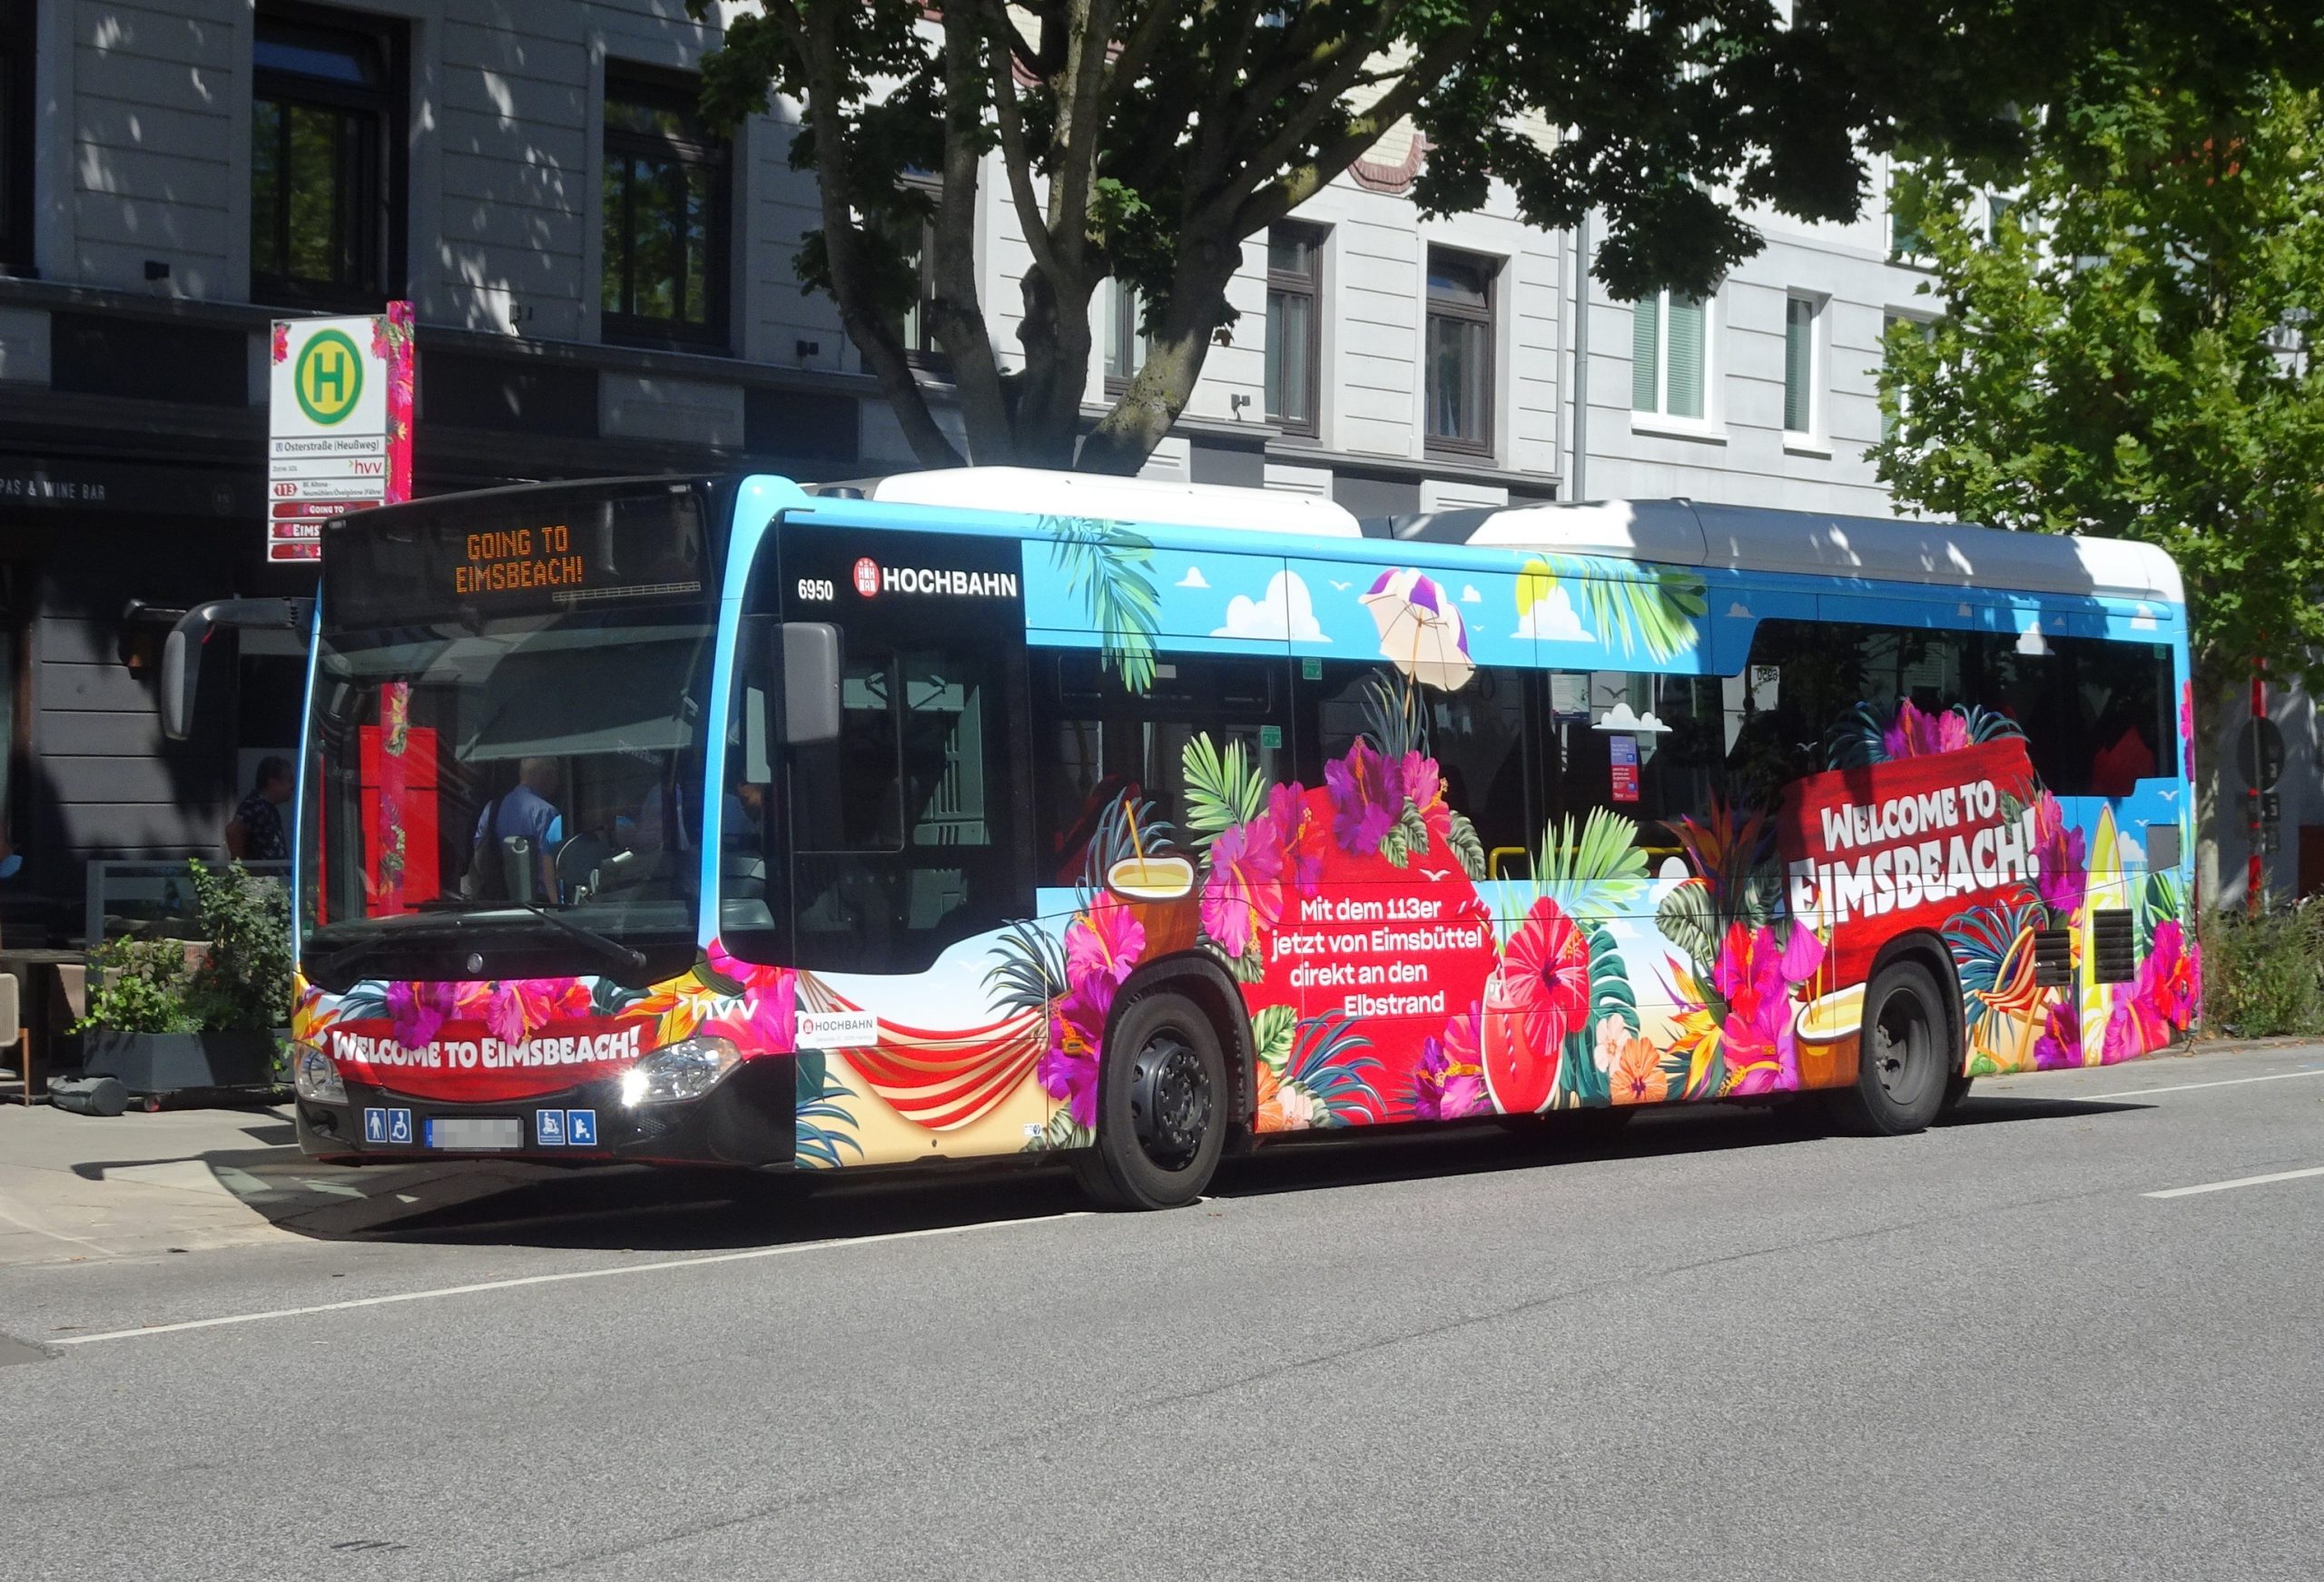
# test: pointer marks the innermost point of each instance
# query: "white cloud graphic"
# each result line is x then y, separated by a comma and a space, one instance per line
1469, 596
1286, 612
1738, 611
2031, 642
1553, 620
1193, 579
2144, 620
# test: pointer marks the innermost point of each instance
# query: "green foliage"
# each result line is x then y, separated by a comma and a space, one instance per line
816, 1099
1146, 141
1598, 870
140, 986
1393, 717
1223, 788
1325, 1063
1468, 846
1685, 918
1109, 566
2264, 976
2128, 351
1274, 1030
1027, 971
246, 979
1407, 839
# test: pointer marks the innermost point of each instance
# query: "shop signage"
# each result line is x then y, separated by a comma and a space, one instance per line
340, 424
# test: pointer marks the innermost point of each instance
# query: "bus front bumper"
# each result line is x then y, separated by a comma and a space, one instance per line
745, 1120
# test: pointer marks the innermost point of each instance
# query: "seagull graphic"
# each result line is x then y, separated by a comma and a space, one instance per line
1343, 587
1436, 873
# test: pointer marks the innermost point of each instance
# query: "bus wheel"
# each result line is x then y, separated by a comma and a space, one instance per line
1163, 1099
1904, 1063
1957, 1089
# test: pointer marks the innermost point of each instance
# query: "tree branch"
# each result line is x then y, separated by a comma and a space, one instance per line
876, 337
1017, 158
957, 315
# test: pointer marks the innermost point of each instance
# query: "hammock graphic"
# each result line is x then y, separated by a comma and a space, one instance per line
940, 1080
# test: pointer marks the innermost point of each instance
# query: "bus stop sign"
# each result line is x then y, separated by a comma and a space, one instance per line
2259, 753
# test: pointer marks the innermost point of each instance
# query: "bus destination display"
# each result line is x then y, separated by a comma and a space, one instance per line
553, 556
517, 559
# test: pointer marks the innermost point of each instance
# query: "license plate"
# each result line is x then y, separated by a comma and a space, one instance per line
474, 1133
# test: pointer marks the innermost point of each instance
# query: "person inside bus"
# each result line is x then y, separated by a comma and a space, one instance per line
527, 808
2123, 757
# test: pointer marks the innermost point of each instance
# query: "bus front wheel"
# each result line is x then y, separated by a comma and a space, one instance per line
1905, 1056
1163, 1101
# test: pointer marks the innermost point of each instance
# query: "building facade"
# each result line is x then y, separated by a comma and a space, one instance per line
603, 286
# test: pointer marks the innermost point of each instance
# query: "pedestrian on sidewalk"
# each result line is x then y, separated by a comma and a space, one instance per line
255, 832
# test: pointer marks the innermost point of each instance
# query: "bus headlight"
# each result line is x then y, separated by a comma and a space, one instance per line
315, 1076
686, 1069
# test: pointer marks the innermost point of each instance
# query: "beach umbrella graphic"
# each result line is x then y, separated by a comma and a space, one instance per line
1420, 631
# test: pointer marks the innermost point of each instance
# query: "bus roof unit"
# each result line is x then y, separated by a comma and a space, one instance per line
1813, 543
1117, 499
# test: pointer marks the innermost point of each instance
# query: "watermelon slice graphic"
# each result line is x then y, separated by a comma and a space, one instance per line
1519, 1076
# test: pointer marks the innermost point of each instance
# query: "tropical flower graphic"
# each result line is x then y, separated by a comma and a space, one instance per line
1637, 1076
1101, 950
1449, 1081
2187, 723
1915, 735
1538, 995
2061, 851
2170, 982
1757, 975
1244, 894
2060, 1044
516, 1008
1423, 788
1299, 834
417, 1011
1367, 799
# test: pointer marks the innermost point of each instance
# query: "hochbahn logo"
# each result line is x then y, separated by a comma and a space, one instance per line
871, 577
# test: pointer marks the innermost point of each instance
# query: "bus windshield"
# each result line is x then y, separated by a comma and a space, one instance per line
483, 771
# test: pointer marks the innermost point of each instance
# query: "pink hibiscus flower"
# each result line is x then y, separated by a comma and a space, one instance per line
2170, 981
2060, 1044
418, 1011
1299, 835
1243, 893
1367, 799
519, 1007
1423, 785
1449, 1082
2060, 849
1758, 976
1915, 734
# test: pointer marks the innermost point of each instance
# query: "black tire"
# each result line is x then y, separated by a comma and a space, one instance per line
1905, 1059
1163, 1104
1957, 1089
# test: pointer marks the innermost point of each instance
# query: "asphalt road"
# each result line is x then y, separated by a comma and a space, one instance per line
1725, 1347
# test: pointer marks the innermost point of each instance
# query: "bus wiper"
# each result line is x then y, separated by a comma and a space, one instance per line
606, 947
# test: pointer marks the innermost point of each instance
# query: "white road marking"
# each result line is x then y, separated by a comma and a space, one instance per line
2190, 1087
2238, 1181
666, 1263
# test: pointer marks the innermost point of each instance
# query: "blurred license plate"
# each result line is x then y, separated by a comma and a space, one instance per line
469, 1133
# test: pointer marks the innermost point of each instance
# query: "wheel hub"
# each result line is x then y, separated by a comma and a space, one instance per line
1170, 1101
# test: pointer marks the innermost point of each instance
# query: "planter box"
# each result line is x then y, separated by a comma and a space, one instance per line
167, 1062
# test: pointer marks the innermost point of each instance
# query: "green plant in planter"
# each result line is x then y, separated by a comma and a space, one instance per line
141, 985
245, 981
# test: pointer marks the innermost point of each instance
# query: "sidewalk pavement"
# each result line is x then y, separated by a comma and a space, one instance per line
74, 1188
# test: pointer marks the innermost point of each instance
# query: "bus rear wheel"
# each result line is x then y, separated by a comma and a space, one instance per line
1163, 1099
1905, 1059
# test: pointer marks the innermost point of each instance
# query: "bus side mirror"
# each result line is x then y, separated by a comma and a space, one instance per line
810, 659
181, 650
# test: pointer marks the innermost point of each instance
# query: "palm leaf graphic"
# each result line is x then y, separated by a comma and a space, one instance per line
815, 1100
1028, 969
1595, 870
1107, 565
1325, 1064
1223, 787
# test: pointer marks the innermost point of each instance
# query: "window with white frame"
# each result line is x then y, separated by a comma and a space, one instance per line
1124, 341
1802, 358
1927, 329
1670, 361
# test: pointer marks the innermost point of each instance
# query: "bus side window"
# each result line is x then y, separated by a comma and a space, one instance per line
1476, 735
1098, 747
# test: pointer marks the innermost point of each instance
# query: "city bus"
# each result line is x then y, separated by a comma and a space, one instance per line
993, 812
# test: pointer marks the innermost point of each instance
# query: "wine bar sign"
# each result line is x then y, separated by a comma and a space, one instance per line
340, 420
